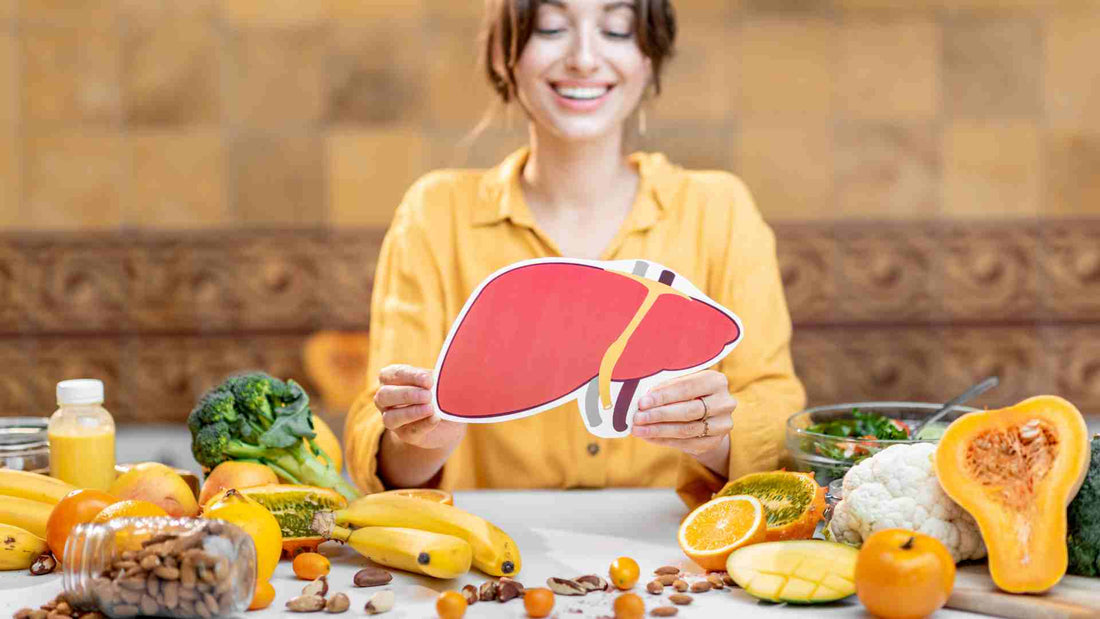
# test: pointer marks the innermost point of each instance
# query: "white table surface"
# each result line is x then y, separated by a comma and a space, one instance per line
561, 534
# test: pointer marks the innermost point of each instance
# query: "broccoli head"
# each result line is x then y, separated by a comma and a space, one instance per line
256, 417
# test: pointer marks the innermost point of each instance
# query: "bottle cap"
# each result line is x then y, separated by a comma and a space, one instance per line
80, 391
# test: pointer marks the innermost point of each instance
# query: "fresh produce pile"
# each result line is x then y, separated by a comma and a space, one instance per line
1020, 484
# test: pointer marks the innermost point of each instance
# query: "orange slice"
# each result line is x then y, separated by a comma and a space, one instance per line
716, 528
427, 494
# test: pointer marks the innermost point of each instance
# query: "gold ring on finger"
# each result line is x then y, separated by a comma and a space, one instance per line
706, 411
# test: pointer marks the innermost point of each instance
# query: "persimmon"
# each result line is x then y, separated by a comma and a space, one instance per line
901, 574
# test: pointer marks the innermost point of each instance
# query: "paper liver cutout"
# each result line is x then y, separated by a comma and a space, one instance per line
539, 333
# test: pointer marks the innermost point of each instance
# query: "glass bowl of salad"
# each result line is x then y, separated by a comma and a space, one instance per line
829, 440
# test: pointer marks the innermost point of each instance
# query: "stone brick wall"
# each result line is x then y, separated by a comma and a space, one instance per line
191, 187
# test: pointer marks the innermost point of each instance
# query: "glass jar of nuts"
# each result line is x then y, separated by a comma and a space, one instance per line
171, 567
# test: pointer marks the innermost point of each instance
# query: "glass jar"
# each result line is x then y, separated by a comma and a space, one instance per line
24, 445
171, 567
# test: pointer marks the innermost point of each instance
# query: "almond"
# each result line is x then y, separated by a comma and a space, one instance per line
666, 579
700, 586
655, 587
680, 599
668, 569
664, 611
715, 581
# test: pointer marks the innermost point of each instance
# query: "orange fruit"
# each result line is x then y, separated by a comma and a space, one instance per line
902, 574
428, 494
538, 602
623, 572
629, 606
78, 507
718, 527
263, 597
311, 566
450, 605
130, 508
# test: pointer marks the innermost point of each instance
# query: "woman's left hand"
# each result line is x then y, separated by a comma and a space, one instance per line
691, 413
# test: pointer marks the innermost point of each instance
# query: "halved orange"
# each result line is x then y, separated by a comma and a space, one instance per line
716, 528
427, 494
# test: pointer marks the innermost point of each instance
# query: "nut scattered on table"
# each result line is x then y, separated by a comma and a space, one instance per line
667, 579
488, 591
664, 611
372, 577
337, 604
655, 587
680, 599
301, 604
317, 587
509, 590
379, 602
715, 581
565, 586
726, 578
470, 593
680, 585
700, 586
667, 569
519, 585
44, 564
592, 582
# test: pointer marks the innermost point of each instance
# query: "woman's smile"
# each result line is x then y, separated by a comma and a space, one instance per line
581, 96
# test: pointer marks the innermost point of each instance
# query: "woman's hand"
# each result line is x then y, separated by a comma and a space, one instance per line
405, 401
691, 413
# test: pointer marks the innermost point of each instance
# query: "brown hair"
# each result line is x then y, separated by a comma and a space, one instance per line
509, 24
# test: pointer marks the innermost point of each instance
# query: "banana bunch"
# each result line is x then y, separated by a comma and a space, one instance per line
26, 500
421, 536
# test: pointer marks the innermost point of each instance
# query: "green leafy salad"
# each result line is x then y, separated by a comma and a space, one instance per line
861, 427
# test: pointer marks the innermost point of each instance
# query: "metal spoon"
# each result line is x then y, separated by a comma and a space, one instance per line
972, 392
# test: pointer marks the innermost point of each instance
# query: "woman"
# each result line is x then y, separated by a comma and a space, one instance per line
578, 69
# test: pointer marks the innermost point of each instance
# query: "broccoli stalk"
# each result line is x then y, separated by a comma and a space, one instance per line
256, 417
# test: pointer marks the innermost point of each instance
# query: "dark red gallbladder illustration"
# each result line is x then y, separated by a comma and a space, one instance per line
540, 332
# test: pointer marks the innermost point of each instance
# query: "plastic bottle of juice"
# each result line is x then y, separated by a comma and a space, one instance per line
82, 436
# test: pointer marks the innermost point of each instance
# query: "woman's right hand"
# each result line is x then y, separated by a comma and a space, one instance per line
405, 401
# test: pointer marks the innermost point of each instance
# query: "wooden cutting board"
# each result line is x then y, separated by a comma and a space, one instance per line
1073, 597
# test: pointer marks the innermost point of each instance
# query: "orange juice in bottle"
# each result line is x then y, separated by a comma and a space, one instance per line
82, 436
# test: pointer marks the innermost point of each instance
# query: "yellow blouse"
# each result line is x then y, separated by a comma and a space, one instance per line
454, 228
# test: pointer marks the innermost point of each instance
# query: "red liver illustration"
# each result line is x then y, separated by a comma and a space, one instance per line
539, 332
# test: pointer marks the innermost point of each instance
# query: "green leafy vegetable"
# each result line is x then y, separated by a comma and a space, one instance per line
864, 425
258, 418
1083, 521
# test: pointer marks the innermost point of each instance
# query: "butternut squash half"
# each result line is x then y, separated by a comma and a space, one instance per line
1015, 470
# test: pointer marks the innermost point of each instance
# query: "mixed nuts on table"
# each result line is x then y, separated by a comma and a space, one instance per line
179, 578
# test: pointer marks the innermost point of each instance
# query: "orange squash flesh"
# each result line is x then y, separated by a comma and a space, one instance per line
1015, 470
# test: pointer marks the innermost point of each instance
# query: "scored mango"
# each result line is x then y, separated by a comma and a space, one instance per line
796, 572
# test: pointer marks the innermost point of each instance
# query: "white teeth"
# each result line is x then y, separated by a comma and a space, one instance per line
582, 93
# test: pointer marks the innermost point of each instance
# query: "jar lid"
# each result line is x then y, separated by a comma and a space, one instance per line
19, 434
80, 391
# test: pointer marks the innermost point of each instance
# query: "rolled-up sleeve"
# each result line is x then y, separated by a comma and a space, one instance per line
406, 326
760, 371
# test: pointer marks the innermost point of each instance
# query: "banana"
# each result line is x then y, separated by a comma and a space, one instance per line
494, 551
25, 514
19, 548
421, 552
33, 486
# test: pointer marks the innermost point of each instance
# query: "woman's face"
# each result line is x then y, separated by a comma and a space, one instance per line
582, 73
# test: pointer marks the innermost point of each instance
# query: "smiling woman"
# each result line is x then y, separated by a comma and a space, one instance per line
579, 69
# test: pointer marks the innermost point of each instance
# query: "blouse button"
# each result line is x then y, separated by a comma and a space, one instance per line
593, 449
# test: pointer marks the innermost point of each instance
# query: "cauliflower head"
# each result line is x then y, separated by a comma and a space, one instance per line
897, 488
